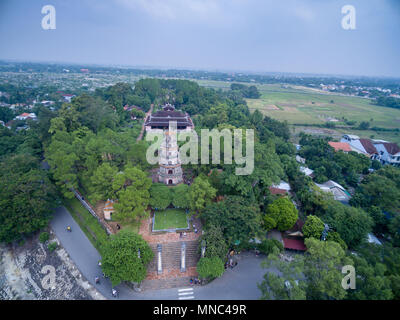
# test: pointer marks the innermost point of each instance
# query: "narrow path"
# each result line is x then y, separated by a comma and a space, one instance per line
145, 118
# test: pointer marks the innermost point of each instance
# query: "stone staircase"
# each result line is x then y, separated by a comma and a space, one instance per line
171, 276
171, 255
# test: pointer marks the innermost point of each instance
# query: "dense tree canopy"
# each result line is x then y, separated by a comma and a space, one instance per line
27, 197
283, 211
160, 196
215, 242
132, 189
200, 194
125, 256
238, 218
353, 224
313, 227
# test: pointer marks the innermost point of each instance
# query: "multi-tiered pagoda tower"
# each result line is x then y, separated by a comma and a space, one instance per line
170, 171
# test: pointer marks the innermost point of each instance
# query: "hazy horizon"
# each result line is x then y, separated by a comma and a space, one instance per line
298, 37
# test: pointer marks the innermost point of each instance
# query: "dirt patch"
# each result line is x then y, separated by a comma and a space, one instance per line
290, 109
270, 107
32, 272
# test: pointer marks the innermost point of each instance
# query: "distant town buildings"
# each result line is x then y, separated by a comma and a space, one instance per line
68, 97
26, 116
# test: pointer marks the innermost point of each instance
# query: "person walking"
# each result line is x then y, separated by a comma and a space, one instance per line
69, 229
114, 293
97, 280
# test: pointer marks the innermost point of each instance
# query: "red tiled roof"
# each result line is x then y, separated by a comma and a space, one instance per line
368, 146
294, 244
277, 191
392, 148
24, 114
344, 146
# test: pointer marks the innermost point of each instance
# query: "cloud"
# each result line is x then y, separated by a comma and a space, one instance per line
305, 14
175, 9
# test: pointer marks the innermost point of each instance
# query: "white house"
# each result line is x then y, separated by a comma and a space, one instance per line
364, 146
300, 159
307, 171
25, 116
68, 97
389, 153
372, 239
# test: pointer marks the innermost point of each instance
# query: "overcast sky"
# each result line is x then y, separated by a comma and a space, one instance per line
249, 35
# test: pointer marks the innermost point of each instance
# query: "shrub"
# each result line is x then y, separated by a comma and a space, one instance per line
52, 246
267, 246
313, 227
43, 237
269, 223
210, 268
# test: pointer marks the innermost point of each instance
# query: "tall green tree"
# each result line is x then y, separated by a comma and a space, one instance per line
121, 260
132, 189
313, 227
289, 284
353, 224
283, 211
101, 182
27, 197
200, 194
180, 196
160, 196
215, 242
322, 269
238, 218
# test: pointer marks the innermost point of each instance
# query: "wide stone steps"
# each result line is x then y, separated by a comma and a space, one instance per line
165, 283
171, 255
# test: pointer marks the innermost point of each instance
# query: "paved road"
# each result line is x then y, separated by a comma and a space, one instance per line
239, 283
148, 113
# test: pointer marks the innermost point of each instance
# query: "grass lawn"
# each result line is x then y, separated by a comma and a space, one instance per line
170, 219
89, 224
130, 225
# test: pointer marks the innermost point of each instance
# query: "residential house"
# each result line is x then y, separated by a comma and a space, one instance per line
339, 192
26, 116
300, 159
340, 146
363, 146
372, 239
307, 171
68, 97
388, 152
283, 188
